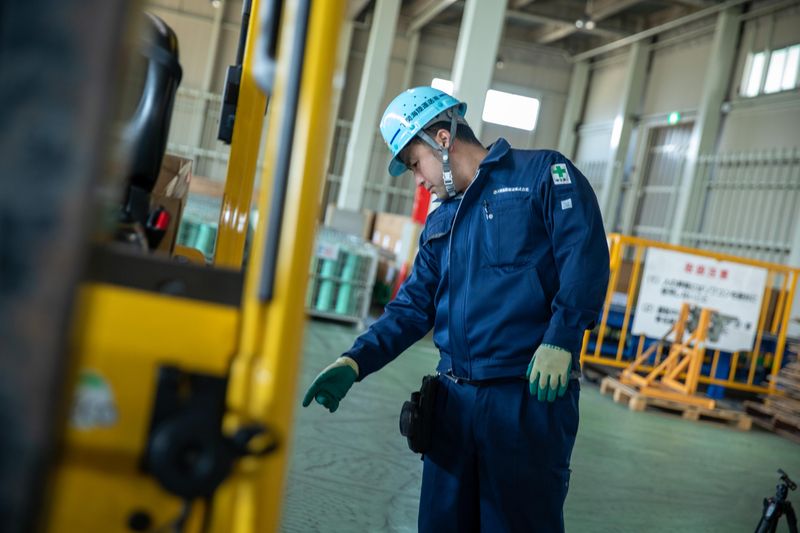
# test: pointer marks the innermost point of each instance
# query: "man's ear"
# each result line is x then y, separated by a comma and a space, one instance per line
443, 138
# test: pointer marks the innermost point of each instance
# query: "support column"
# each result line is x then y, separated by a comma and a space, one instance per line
370, 96
576, 97
632, 91
476, 55
208, 77
794, 251
339, 80
706, 128
408, 75
794, 261
411, 59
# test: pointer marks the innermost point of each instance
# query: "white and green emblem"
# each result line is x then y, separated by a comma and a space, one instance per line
560, 174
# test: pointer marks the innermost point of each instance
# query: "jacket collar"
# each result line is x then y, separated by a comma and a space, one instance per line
496, 152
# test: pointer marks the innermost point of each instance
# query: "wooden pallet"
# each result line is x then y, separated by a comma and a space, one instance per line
788, 383
637, 401
792, 372
780, 413
777, 421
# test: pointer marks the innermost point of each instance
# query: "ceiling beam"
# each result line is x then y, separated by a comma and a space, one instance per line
701, 4
667, 26
596, 10
413, 8
355, 7
430, 12
553, 35
564, 25
424, 11
602, 9
536, 18
559, 33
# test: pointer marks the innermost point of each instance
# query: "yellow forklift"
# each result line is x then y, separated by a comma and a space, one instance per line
139, 392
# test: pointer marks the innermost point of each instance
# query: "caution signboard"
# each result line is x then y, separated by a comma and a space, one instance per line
733, 290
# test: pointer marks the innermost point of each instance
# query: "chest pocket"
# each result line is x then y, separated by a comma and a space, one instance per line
437, 230
507, 231
436, 234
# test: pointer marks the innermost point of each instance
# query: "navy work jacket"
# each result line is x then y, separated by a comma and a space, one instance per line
519, 260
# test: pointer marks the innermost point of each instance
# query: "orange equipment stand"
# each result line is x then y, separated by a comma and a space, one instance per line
676, 377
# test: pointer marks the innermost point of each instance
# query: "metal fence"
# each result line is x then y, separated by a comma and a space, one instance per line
341, 137
595, 172
657, 190
382, 192
747, 204
193, 134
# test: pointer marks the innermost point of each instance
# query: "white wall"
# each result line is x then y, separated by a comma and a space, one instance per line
193, 44
192, 21
762, 127
676, 75
594, 143
605, 83
603, 100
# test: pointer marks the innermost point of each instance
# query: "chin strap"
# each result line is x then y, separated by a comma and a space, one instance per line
447, 173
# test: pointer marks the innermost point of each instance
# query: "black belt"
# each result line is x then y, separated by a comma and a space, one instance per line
480, 382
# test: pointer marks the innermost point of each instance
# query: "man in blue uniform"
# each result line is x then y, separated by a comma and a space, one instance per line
512, 269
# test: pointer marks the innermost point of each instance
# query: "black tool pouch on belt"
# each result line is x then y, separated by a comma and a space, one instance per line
416, 417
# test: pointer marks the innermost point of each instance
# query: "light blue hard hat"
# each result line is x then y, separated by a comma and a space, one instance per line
409, 113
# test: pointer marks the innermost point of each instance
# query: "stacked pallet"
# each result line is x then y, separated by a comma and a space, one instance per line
636, 401
780, 413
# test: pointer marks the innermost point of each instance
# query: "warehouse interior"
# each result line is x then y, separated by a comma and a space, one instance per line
274, 236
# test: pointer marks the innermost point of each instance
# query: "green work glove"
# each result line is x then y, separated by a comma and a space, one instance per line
332, 384
548, 372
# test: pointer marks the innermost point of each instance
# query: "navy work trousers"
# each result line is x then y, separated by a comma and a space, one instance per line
499, 461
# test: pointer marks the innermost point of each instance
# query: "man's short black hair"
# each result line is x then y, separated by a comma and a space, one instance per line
464, 134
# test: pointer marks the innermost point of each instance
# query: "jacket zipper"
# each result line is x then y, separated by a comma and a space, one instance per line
450, 268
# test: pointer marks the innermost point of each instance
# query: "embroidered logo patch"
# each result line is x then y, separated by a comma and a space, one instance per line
560, 174
566, 204
511, 189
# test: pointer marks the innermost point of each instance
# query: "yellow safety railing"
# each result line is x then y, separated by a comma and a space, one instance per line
601, 346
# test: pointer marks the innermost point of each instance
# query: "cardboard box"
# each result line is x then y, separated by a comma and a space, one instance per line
170, 192
389, 232
359, 223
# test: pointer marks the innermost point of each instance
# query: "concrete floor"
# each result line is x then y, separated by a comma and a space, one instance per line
351, 471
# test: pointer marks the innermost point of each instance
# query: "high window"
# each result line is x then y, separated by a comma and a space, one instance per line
771, 71
506, 109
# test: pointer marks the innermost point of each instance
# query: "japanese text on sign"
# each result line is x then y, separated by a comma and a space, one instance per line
733, 290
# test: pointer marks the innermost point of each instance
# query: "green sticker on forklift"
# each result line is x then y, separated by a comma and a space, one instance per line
94, 405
